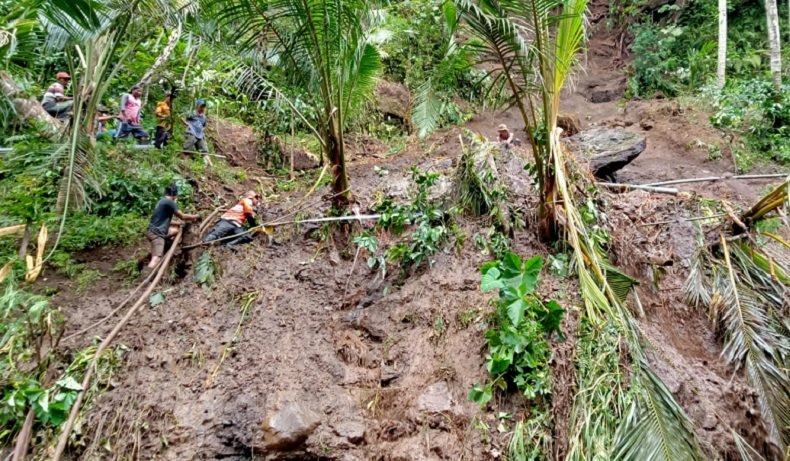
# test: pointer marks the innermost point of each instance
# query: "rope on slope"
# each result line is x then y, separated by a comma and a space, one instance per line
75, 409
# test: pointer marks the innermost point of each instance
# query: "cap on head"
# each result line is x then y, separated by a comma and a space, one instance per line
171, 190
250, 194
61, 75
200, 102
502, 127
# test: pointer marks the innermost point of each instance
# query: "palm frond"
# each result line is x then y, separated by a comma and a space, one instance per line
360, 79
655, 428
696, 291
747, 452
620, 283
427, 110
752, 340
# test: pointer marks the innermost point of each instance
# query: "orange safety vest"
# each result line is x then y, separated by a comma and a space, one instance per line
238, 214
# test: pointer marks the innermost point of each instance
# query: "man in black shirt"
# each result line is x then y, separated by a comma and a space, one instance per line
161, 229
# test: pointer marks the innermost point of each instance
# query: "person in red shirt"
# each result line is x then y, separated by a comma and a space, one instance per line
232, 222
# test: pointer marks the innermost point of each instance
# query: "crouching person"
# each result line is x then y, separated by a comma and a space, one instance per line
161, 230
232, 222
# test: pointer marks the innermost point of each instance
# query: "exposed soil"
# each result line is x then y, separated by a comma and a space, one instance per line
385, 366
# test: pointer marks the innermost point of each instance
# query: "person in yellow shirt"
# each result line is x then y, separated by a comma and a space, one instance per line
163, 125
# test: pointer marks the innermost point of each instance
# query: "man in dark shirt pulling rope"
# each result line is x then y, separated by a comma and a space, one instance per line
160, 228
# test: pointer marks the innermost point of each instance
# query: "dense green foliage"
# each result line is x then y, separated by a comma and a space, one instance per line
674, 53
518, 350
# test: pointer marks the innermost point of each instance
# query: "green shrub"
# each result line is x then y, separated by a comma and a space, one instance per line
751, 108
518, 350
85, 230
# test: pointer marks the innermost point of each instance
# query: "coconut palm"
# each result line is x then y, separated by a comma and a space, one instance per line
320, 49
774, 39
533, 44
721, 67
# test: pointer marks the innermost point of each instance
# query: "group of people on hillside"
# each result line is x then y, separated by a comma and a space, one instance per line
57, 104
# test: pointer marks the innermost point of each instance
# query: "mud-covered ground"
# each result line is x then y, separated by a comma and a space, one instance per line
372, 369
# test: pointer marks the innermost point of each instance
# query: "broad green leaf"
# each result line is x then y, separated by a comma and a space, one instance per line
487, 266
491, 280
515, 311
511, 265
550, 320
532, 268
69, 383
156, 299
480, 394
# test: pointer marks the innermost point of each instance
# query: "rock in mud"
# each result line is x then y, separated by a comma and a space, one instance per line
303, 160
289, 426
353, 431
710, 422
393, 99
569, 123
607, 149
436, 399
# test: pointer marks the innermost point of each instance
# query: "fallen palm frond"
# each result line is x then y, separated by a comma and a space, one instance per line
655, 427
773, 200
745, 289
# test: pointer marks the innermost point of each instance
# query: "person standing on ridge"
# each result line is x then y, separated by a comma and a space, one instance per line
163, 126
232, 222
130, 116
161, 230
55, 101
196, 125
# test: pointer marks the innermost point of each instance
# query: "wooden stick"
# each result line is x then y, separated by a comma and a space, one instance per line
75, 409
23, 439
717, 178
120, 306
659, 190
698, 218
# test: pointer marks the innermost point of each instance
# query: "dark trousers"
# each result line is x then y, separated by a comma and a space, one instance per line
225, 228
160, 137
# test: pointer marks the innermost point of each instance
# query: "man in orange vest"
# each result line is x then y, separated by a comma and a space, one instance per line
232, 222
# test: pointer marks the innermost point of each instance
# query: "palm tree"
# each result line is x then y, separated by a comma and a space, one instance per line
774, 47
321, 50
534, 72
721, 68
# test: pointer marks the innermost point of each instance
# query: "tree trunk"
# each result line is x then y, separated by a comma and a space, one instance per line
547, 212
337, 163
27, 109
721, 69
774, 47
164, 56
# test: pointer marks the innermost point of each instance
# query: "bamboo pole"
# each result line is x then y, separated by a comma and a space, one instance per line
659, 190
75, 409
717, 178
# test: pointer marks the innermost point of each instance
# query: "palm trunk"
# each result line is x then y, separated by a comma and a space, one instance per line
774, 47
175, 35
337, 163
722, 61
